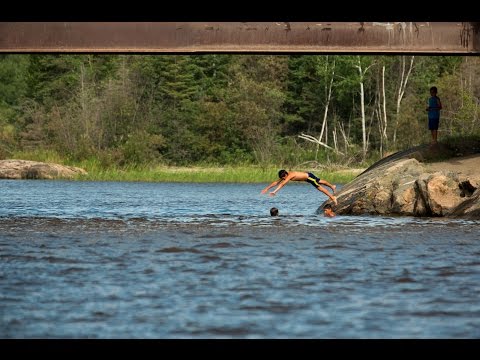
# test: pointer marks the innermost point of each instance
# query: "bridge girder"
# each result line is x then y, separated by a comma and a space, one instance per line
241, 37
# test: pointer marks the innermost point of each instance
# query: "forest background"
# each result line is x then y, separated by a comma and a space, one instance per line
138, 114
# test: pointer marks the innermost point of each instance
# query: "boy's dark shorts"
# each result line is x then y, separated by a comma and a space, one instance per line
312, 179
433, 124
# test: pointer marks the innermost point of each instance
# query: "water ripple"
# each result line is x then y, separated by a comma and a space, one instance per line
130, 260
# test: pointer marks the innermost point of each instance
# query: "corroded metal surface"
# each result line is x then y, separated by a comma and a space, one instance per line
241, 37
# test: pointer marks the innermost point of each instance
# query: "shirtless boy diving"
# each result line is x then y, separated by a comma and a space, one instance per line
285, 177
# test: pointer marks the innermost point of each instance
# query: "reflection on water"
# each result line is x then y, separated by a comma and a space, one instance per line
146, 260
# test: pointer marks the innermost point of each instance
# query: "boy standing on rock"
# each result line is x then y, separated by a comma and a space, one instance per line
434, 107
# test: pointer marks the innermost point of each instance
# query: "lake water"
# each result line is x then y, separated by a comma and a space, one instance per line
169, 260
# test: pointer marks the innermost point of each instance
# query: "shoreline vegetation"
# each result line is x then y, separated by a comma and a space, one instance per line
199, 174
98, 170
451, 147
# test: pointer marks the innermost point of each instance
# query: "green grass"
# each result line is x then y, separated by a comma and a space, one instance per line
201, 174
48, 156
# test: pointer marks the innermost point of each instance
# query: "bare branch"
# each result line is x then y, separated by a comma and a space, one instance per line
316, 141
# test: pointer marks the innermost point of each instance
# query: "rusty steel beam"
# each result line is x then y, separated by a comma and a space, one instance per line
241, 37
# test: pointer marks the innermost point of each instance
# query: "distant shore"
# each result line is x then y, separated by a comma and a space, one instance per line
27, 169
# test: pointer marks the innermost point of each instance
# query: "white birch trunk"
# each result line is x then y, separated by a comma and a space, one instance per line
385, 123
327, 104
362, 109
401, 91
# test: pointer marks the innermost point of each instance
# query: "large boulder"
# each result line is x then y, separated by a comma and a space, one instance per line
402, 185
26, 169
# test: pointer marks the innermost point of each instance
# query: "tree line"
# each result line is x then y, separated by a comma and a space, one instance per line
229, 108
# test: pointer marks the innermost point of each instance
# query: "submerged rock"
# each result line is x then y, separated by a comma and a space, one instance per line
26, 169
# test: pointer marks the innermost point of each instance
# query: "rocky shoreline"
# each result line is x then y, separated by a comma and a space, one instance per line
421, 181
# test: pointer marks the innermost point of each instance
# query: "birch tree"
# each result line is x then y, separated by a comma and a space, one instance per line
404, 75
327, 102
362, 71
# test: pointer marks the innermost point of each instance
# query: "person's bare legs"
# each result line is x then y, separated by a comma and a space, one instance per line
434, 136
333, 187
325, 191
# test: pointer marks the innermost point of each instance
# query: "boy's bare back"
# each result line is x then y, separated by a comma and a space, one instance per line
297, 176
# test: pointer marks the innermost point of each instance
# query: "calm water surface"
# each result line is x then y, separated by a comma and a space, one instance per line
167, 260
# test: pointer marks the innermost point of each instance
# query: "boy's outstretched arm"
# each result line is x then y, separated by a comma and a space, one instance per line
270, 186
283, 182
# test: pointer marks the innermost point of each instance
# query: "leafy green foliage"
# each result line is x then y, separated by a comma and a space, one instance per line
139, 110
